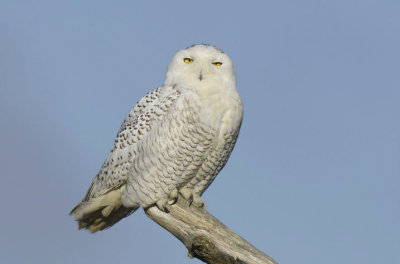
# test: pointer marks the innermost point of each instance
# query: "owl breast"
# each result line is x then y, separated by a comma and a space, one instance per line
187, 148
217, 107
221, 113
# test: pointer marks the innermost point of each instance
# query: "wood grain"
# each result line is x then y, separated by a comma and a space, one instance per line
205, 237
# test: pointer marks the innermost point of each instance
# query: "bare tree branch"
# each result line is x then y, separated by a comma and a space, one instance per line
205, 237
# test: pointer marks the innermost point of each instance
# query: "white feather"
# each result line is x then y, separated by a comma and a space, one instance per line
177, 137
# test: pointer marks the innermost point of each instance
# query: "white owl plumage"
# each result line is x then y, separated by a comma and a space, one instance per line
175, 139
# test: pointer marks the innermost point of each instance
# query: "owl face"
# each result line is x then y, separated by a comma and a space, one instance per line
200, 65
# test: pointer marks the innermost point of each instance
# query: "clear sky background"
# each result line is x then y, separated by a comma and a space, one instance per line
314, 177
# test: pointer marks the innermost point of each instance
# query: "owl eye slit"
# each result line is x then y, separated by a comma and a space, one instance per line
217, 63
188, 60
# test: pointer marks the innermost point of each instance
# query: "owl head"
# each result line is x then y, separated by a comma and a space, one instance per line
200, 65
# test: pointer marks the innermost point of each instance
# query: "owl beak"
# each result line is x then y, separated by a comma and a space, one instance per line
201, 75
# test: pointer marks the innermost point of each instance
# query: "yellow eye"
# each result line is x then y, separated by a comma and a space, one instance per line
188, 60
217, 63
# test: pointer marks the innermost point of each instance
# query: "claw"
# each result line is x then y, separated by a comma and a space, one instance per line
191, 196
197, 201
162, 204
187, 193
173, 197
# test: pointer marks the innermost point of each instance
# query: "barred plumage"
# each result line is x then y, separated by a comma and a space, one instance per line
176, 138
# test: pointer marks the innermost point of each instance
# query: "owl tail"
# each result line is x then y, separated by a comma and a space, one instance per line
101, 212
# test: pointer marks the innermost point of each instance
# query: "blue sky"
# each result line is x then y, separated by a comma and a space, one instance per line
315, 174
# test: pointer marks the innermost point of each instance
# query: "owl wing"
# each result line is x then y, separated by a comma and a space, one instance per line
105, 191
150, 109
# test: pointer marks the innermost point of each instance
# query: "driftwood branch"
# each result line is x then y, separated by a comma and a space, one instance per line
205, 237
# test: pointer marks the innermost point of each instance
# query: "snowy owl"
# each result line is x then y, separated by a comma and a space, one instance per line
176, 139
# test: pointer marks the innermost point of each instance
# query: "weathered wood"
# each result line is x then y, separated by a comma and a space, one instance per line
206, 237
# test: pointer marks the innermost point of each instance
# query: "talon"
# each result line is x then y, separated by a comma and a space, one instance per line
191, 196
162, 205
197, 201
187, 193
173, 197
